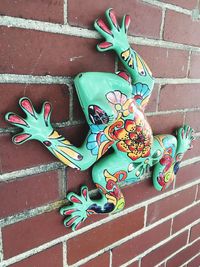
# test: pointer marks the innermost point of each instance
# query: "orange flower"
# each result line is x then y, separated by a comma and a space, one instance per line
134, 139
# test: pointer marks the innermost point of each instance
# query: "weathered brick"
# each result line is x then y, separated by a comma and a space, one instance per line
42, 53
187, 174
12, 156
187, 30
111, 232
50, 257
139, 244
164, 62
183, 3
136, 9
185, 218
194, 262
180, 96
170, 122
169, 205
51, 11
184, 255
164, 251
31, 233
100, 261
192, 118
195, 232
58, 95
26, 193
194, 70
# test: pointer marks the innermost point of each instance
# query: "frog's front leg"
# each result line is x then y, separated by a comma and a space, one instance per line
106, 175
116, 39
37, 126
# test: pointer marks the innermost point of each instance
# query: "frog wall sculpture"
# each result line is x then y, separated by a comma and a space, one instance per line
114, 105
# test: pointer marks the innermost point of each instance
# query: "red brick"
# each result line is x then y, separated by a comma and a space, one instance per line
192, 118
184, 255
75, 179
195, 262
169, 205
100, 261
187, 31
58, 95
194, 71
136, 9
139, 192
77, 112
179, 96
31, 233
139, 244
198, 194
41, 53
51, 11
36, 153
187, 174
183, 3
153, 100
164, 251
134, 264
50, 257
185, 218
195, 151
13, 156
26, 193
195, 232
170, 122
111, 232
164, 62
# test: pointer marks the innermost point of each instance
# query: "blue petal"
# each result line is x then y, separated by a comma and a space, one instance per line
91, 145
92, 138
103, 138
95, 150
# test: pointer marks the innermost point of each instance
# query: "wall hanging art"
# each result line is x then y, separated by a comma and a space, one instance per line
114, 105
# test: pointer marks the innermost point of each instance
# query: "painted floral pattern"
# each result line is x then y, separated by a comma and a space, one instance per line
133, 139
141, 94
96, 138
120, 102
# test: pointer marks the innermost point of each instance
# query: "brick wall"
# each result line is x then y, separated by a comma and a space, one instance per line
43, 44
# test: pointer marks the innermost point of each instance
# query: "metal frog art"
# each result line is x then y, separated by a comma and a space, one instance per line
114, 106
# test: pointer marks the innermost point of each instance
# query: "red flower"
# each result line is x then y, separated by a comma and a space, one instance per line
135, 139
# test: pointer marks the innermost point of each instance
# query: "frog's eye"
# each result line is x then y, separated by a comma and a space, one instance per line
97, 115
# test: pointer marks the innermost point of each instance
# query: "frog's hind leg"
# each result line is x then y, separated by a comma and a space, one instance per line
106, 176
172, 150
163, 173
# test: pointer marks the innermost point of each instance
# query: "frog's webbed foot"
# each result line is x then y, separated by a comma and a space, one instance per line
116, 36
185, 136
35, 125
79, 210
